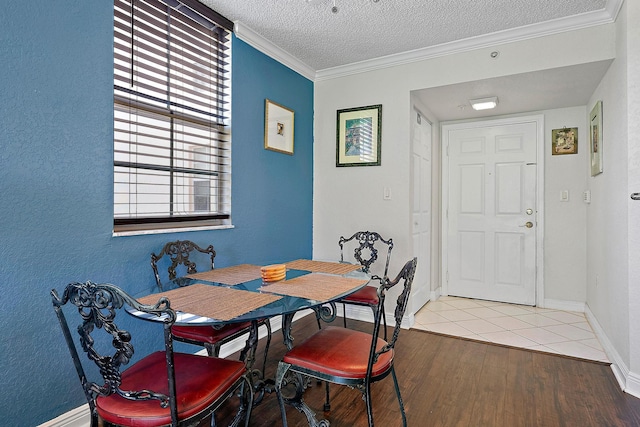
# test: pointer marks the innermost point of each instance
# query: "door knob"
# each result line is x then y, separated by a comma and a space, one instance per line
528, 224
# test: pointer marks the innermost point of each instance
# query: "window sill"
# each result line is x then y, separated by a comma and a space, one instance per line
170, 230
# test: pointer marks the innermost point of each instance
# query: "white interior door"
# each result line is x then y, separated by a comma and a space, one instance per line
421, 208
491, 211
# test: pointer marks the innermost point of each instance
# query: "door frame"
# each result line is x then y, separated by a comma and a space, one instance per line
445, 127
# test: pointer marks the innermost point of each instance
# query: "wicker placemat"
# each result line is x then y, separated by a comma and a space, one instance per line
230, 275
314, 286
322, 266
214, 302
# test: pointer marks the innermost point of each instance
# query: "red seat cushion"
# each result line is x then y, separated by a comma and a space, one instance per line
200, 381
208, 334
339, 352
367, 295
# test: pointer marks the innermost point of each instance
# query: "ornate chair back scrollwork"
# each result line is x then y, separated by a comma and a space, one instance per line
366, 254
347, 357
178, 253
210, 338
163, 388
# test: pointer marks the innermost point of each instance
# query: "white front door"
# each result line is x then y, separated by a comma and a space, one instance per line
490, 224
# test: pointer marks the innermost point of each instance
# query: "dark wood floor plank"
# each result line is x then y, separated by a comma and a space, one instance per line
449, 382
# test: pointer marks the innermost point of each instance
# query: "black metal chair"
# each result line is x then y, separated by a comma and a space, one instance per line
161, 389
208, 336
366, 253
347, 357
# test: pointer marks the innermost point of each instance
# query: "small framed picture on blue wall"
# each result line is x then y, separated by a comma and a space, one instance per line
278, 128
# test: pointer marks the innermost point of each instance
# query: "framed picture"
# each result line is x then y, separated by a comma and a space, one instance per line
564, 141
595, 138
278, 128
358, 136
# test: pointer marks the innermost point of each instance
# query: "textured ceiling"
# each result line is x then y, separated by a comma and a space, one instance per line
366, 29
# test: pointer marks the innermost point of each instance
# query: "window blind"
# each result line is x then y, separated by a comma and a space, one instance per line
172, 146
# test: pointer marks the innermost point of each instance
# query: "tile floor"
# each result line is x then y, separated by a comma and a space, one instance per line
552, 331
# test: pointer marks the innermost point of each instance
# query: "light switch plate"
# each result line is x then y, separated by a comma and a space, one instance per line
386, 193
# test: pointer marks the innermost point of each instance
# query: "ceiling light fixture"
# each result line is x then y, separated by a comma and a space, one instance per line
484, 103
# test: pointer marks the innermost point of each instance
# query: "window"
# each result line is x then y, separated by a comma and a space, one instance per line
172, 146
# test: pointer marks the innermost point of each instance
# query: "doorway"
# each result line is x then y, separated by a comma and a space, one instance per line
492, 209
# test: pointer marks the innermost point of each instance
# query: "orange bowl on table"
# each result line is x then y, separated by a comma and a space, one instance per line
273, 273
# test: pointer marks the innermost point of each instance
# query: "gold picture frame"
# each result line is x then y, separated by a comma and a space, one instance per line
595, 138
358, 136
564, 141
278, 127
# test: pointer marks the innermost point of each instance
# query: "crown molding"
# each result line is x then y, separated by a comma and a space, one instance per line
555, 26
254, 39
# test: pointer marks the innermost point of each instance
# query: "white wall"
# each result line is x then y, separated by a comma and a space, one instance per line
347, 199
633, 105
565, 242
607, 216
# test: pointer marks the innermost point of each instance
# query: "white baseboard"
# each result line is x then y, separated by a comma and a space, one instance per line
365, 314
555, 304
629, 382
78, 417
633, 385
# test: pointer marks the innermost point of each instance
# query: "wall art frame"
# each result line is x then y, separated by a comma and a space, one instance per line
595, 138
278, 127
564, 141
358, 136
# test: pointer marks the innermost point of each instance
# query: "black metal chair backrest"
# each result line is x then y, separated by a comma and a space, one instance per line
97, 305
179, 252
406, 274
367, 241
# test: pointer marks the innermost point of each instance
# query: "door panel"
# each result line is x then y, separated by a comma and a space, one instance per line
421, 208
491, 184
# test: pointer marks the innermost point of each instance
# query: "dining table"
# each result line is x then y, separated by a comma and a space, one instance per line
238, 294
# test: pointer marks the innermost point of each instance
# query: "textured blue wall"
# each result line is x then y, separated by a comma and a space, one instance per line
56, 182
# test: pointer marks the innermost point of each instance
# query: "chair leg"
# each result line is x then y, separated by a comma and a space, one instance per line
211, 350
282, 370
267, 323
367, 398
327, 403
216, 349
395, 382
384, 321
249, 393
344, 314
318, 319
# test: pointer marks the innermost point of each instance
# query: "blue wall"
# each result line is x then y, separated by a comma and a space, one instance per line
56, 182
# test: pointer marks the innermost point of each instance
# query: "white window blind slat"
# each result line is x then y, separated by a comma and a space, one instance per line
172, 147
